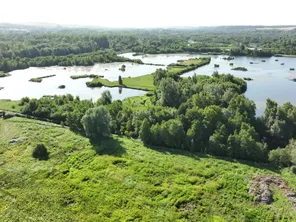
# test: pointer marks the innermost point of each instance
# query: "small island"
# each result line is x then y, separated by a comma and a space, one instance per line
92, 76
228, 58
292, 69
248, 79
240, 69
216, 65
62, 87
231, 64
122, 68
263, 60
2, 74
39, 79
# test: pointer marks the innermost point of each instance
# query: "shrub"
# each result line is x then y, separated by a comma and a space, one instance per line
293, 169
96, 122
106, 97
280, 157
145, 133
40, 152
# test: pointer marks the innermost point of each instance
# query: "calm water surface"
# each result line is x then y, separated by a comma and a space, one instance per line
17, 85
270, 78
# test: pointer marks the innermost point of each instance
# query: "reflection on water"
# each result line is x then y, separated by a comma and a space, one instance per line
17, 85
270, 78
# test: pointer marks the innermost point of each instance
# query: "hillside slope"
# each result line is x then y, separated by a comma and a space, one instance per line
121, 180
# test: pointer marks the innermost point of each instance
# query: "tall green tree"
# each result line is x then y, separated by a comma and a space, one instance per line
96, 122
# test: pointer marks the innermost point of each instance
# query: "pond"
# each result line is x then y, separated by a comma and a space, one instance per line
17, 85
271, 79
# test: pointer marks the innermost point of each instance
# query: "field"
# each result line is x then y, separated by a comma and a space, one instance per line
119, 179
144, 82
9, 105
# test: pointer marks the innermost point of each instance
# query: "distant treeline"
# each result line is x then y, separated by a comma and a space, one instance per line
86, 59
233, 41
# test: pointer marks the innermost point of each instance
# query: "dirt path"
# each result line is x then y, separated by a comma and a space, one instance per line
260, 187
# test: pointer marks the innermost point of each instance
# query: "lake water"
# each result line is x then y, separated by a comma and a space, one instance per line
17, 85
270, 78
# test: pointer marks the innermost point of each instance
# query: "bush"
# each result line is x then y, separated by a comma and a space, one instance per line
40, 152
280, 157
145, 133
96, 122
106, 97
293, 169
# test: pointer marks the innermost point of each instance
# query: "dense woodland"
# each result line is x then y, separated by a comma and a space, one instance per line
27, 46
208, 114
204, 114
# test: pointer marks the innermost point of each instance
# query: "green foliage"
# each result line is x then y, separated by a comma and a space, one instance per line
280, 157
40, 152
59, 109
106, 97
85, 76
240, 69
36, 80
145, 134
293, 169
2, 74
158, 75
173, 133
96, 122
169, 94
112, 180
96, 82
119, 80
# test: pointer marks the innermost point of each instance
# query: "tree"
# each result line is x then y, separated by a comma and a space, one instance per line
280, 157
169, 94
119, 80
96, 122
106, 97
173, 133
159, 74
40, 152
145, 134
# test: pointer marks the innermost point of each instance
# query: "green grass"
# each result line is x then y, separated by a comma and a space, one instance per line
119, 179
85, 76
193, 61
9, 105
39, 79
144, 82
2, 74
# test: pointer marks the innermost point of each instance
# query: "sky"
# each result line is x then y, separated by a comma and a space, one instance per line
149, 13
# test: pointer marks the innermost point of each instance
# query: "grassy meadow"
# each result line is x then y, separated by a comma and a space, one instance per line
119, 179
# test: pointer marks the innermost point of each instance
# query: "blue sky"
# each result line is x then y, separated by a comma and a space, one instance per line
150, 13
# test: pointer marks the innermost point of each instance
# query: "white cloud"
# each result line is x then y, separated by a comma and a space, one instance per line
150, 13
